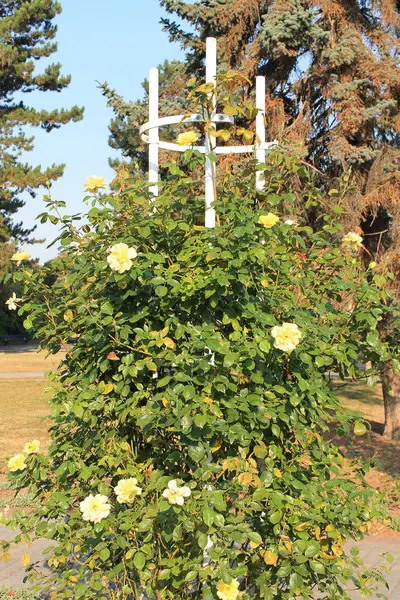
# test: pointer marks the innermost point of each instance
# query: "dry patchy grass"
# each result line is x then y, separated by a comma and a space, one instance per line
385, 476
34, 362
24, 409
366, 400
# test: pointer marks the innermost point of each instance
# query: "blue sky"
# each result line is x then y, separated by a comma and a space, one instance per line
98, 40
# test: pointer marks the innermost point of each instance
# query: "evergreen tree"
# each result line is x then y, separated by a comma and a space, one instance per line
333, 95
27, 34
129, 116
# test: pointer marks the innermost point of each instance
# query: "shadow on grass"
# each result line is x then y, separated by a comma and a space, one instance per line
385, 476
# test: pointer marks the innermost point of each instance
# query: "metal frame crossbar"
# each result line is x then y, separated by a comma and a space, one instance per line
149, 133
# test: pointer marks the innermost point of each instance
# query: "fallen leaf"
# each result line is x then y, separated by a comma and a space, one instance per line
25, 559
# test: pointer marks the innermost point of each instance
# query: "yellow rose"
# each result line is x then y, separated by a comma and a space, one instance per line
12, 302
95, 508
176, 494
228, 591
120, 257
32, 447
268, 220
187, 139
94, 184
17, 463
287, 336
126, 490
18, 257
352, 240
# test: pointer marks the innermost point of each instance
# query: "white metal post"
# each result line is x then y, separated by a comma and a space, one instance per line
211, 73
260, 130
153, 132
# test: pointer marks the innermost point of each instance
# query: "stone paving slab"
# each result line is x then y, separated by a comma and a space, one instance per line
22, 375
371, 551
12, 573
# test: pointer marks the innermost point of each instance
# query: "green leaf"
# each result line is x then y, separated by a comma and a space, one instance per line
275, 517
359, 428
28, 323
255, 537
260, 451
200, 420
295, 582
317, 567
196, 453
208, 516
107, 308
104, 554
203, 540
265, 346
230, 359
161, 291
312, 549
373, 339
139, 560
188, 392
218, 500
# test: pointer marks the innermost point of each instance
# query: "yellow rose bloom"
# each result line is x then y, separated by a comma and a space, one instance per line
18, 257
187, 139
268, 220
95, 508
120, 257
126, 490
94, 184
228, 591
17, 463
32, 447
12, 302
176, 494
287, 336
352, 240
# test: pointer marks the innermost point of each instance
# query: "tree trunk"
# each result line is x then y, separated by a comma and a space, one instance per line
391, 399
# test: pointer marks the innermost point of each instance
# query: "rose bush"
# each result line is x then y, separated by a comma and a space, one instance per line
189, 454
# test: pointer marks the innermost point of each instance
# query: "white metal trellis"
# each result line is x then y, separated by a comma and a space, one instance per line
149, 133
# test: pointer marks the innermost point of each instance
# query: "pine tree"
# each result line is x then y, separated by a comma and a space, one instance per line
27, 34
124, 134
